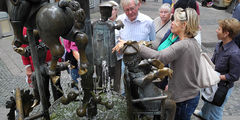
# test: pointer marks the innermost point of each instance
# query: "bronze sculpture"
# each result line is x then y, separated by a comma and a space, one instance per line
67, 22
70, 30
27, 101
103, 42
141, 92
52, 20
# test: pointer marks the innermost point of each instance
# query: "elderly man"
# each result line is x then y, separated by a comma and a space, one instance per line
137, 26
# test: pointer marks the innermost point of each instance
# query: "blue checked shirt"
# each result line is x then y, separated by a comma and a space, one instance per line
142, 28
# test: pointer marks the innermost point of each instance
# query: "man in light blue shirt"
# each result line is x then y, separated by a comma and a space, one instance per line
137, 26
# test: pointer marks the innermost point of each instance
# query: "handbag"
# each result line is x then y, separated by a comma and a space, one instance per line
218, 95
207, 74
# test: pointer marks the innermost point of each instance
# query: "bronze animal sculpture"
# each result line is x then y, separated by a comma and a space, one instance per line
141, 92
56, 88
52, 20
27, 100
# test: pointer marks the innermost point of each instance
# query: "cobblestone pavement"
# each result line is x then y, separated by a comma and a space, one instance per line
12, 71
8, 82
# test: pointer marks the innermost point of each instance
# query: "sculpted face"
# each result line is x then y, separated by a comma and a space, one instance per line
131, 10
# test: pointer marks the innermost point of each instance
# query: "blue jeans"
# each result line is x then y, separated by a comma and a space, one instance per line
213, 112
186, 108
74, 74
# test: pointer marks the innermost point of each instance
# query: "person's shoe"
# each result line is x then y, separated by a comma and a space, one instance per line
197, 114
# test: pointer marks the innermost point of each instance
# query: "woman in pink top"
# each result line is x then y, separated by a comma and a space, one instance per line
73, 56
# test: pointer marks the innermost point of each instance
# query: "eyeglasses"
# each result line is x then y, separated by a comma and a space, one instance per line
186, 17
130, 9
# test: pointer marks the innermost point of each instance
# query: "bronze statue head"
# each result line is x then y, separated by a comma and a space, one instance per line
105, 10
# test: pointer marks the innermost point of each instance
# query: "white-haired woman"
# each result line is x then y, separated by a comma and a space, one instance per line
162, 23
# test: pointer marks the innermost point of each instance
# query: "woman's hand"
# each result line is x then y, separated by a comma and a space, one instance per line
119, 46
223, 77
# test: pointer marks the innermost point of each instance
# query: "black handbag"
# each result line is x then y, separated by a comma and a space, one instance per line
220, 94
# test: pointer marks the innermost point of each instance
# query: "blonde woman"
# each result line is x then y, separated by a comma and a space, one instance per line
184, 58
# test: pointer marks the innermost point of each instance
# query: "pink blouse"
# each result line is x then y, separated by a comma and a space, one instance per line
69, 45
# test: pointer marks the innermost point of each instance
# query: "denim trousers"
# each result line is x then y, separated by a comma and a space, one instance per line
213, 112
186, 108
74, 74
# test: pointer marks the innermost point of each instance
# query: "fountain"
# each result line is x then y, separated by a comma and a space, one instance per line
95, 98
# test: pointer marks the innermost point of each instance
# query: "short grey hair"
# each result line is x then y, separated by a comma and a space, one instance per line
165, 6
115, 4
126, 2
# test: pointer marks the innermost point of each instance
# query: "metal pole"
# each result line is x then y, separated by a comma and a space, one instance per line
87, 80
19, 107
35, 59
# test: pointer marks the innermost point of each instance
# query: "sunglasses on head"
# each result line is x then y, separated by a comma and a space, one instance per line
172, 18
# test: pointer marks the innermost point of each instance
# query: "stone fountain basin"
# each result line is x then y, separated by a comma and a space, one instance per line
59, 111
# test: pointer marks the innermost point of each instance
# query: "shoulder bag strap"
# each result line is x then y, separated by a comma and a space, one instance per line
162, 26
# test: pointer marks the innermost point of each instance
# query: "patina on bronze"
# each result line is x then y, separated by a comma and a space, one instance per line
21, 103
103, 42
52, 20
140, 90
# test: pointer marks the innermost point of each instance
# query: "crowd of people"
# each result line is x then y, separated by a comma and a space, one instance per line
175, 40
180, 50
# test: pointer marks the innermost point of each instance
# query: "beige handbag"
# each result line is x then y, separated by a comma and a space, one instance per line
207, 74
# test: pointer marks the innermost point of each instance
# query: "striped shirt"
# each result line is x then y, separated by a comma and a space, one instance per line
142, 28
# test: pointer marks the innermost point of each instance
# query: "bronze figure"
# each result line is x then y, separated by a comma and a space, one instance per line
140, 89
52, 20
